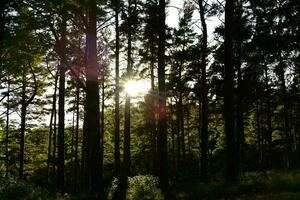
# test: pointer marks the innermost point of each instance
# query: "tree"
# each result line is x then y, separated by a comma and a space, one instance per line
162, 125
117, 90
231, 163
92, 103
204, 90
61, 106
53, 113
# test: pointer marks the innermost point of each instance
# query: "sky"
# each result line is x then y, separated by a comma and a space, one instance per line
173, 13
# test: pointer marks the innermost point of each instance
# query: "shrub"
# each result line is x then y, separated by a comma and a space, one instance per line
144, 187
22, 190
140, 188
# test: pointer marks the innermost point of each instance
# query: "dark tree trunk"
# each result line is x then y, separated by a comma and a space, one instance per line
240, 121
297, 127
231, 154
92, 105
24, 105
54, 137
204, 103
7, 130
240, 143
117, 93
153, 109
102, 120
258, 130
76, 136
126, 159
173, 127
61, 109
162, 124
269, 121
73, 136
284, 100
51, 126
188, 130
84, 155
23, 124
180, 116
84, 177
178, 137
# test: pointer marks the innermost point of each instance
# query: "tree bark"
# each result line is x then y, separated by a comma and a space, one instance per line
92, 105
162, 125
102, 120
51, 126
240, 119
126, 160
269, 121
76, 136
54, 137
7, 129
204, 103
153, 109
23, 121
61, 108
284, 100
180, 116
117, 93
24, 104
231, 154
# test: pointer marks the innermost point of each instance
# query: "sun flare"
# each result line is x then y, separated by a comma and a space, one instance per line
137, 87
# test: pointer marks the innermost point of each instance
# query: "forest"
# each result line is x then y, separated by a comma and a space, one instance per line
149, 99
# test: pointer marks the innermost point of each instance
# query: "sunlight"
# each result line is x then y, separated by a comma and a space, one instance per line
137, 87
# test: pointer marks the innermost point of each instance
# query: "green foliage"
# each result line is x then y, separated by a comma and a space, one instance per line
285, 181
252, 185
140, 187
143, 187
21, 190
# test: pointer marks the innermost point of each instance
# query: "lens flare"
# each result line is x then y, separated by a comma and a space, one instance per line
136, 88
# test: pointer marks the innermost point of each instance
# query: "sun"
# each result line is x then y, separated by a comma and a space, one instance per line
136, 88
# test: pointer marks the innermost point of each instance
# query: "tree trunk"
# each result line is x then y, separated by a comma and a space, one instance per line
269, 121
102, 120
285, 114
51, 126
84, 156
61, 109
179, 147
174, 164
153, 109
204, 103
188, 130
259, 130
162, 121
76, 136
92, 105
117, 93
239, 98
126, 160
54, 137
23, 124
180, 116
240, 121
24, 105
7, 129
231, 154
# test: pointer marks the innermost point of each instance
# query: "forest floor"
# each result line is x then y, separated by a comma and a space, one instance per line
272, 185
